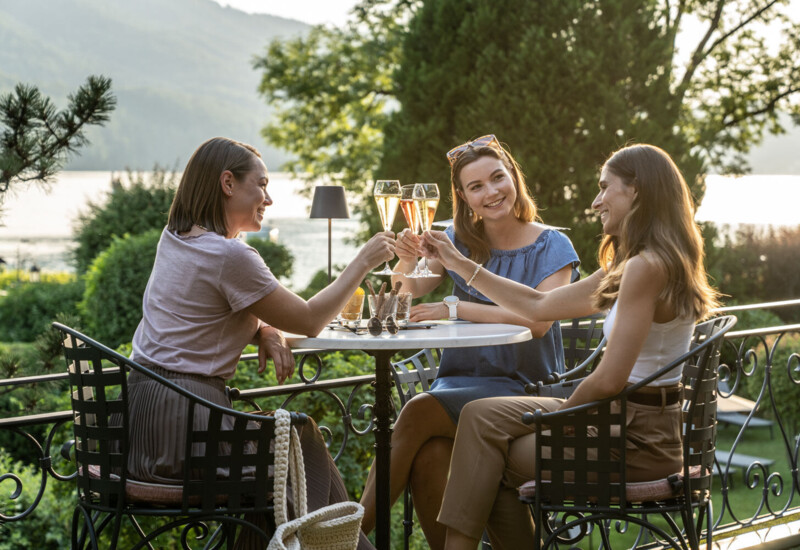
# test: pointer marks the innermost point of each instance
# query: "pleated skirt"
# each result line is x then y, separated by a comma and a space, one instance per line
158, 421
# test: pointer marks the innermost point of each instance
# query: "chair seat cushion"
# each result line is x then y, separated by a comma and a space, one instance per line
642, 491
159, 494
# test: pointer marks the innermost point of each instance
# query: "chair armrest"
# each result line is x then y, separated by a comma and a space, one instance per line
121, 361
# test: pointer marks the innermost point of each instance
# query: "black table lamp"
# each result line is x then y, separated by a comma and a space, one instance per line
329, 202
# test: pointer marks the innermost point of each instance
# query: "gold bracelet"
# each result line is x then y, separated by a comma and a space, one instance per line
474, 274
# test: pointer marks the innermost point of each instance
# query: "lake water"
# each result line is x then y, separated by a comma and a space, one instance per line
37, 225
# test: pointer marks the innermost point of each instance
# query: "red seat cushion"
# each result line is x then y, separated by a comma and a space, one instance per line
160, 494
642, 491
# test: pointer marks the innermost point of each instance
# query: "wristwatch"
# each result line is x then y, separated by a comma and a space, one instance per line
452, 305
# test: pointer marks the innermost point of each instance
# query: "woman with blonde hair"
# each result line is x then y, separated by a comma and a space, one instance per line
496, 223
653, 286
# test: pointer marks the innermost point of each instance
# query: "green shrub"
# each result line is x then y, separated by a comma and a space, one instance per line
784, 385
133, 208
49, 525
27, 309
115, 284
11, 277
275, 255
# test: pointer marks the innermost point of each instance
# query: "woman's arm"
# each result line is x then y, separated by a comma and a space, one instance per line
286, 311
640, 287
486, 313
406, 249
564, 302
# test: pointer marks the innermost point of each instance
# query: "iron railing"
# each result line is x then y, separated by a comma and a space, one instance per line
753, 491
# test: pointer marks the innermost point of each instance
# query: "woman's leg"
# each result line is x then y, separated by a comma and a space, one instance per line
428, 480
421, 419
486, 429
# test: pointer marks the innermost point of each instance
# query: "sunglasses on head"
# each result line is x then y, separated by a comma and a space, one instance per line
484, 141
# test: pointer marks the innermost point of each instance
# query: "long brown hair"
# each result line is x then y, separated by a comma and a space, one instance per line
661, 221
468, 226
199, 198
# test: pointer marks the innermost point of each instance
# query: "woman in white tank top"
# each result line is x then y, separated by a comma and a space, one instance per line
653, 284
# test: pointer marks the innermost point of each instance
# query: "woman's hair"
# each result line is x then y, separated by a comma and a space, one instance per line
661, 221
468, 226
199, 198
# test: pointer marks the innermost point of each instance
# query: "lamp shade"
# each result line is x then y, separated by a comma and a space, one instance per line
329, 202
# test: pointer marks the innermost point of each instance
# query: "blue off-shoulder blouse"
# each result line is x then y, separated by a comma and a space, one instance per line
466, 374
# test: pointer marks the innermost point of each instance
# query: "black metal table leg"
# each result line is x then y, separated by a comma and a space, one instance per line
383, 446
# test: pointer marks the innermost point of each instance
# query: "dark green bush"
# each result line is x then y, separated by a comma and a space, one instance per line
28, 308
48, 526
131, 208
753, 265
115, 284
275, 255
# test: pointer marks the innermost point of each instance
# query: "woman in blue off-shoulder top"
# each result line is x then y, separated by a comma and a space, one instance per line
495, 223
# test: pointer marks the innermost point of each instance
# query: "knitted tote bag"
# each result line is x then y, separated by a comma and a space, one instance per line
333, 527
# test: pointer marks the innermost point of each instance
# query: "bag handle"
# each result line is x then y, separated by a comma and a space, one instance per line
288, 463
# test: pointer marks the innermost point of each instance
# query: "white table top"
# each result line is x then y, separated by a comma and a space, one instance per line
443, 334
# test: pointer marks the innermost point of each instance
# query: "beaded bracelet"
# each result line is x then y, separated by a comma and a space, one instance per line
474, 274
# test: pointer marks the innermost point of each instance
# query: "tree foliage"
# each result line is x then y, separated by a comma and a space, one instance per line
130, 208
562, 83
36, 138
332, 91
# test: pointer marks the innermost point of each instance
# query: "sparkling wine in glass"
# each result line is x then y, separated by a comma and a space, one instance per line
412, 219
426, 200
387, 195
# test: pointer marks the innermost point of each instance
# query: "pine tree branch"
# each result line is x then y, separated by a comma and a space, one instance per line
38, 138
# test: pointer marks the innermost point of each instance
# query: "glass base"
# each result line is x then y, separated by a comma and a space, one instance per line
386, 271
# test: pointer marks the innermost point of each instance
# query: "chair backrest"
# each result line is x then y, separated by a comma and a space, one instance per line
596, 473
227, 452
700, 376
415, 374
581, 338
100, 423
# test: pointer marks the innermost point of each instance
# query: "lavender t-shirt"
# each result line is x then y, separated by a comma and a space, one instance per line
193, 317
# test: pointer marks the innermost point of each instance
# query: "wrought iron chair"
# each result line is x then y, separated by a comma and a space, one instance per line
592, 488
107, 495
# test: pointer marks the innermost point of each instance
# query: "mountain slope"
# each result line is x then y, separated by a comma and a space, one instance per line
181, 71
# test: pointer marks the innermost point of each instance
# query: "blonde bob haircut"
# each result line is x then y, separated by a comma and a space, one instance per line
660, 222
199, 198
468, 225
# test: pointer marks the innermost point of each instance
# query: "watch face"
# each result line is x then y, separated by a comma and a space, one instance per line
451, 300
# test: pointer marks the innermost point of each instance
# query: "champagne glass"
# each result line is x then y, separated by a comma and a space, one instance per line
426, 200
412, 219
387, 195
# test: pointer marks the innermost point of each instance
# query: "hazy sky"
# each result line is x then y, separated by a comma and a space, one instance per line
308, 11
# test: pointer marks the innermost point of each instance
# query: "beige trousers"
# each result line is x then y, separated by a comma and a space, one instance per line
493, 455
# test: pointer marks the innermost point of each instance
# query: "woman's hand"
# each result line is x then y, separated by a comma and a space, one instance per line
428, 312
407, 246
380, 248
271, 343
435, 244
